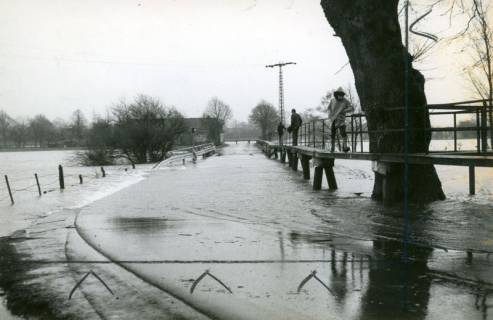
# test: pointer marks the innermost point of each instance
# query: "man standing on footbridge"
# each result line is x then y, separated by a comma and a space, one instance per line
339, 106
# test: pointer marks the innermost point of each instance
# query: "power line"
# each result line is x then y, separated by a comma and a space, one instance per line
281, 86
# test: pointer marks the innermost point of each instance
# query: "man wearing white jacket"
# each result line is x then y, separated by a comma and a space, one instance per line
339, 106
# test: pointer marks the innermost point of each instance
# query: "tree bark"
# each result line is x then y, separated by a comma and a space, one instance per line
371, 35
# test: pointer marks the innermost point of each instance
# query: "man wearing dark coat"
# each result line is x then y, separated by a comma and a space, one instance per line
280, 132
296, 122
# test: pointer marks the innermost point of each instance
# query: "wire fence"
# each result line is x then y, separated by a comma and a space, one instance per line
40, 184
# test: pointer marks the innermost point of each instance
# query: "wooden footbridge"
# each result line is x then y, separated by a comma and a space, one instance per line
313, 146
324, 160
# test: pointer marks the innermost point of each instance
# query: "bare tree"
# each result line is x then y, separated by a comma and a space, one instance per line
145, 130
42, 130
476, 36
311, 114
217, 109
78, 125
19, 133
480, 39
100, 143
266, 118
215, 116
420, 46
352, 96
5, 123
325, 100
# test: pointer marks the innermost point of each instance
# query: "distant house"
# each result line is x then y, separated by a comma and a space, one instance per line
201, 134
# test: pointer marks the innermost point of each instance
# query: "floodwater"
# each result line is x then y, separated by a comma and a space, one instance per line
259, 229
20, 167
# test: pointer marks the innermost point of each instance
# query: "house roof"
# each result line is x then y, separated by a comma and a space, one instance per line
196, 123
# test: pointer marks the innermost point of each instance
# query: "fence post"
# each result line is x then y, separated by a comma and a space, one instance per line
472, 180
455, 131
361, 131
484, 128
61, 179
314, 136
323, 134
304, 135
10, 191
490, 104
353, 148
307, 134
478, 131
81, 180
37, 183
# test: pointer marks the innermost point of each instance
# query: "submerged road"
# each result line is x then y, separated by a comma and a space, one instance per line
260, 230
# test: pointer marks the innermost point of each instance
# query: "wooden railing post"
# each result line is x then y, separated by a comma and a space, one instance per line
455, 131
490, 107
472, 180
304, 144
361, 131
314, 135
478, 131
323, 134
353, 148
484, 128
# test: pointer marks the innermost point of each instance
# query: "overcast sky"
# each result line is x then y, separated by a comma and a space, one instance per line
60, 55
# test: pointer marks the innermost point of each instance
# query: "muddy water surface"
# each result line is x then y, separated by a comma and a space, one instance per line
260, 229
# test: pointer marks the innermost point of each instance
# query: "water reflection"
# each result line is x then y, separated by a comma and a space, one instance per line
398, 287
396, 281
141, 225
338, 276
289, 222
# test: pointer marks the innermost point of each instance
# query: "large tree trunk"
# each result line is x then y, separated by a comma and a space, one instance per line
371, 35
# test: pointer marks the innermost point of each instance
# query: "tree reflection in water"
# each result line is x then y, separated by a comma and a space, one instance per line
398, 288
381, 284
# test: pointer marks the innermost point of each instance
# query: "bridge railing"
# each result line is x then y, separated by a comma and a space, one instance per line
180, 155
451, 137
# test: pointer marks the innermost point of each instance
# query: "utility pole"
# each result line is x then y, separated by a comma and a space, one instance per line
281, 87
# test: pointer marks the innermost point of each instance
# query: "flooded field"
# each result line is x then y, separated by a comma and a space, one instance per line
20, 167
275, 248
